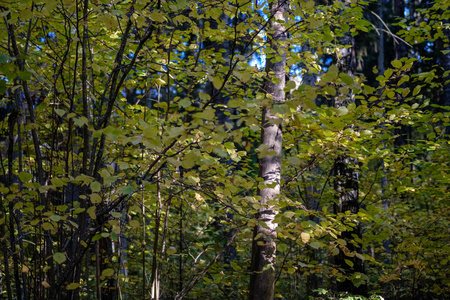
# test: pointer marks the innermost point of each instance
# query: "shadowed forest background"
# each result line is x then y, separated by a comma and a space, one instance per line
181, 149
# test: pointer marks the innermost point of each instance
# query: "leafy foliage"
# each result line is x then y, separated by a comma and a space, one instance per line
130, 145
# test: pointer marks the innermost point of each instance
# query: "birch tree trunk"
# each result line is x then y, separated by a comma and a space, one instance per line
264, 246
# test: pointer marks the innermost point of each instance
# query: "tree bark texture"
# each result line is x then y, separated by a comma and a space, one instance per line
264, 246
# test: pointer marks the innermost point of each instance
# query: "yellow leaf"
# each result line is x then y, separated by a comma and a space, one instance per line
305, 237
310, 4
25, 269
95, 198
134, 223
108, 272
171, 250
217, 82
91, 212
47, 226
72, 286
289, 214
157, 17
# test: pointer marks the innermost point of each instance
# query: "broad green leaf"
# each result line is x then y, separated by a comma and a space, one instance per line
290, 85
59, 257
55, 218
60, 112
96, 186
346, 78
293, 160
127, 190
110, 179
315, 245
116, 214
25, 177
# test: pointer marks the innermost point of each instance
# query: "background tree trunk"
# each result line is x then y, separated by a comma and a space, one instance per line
346, 182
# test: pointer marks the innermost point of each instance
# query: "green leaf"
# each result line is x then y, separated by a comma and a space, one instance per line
116, 214
290, 85
349, 262
266, 267
204, 96
79, 122
235, 266
59, 257
96, 186
366, 133
110, 179
217, 82
315, 245
333, 72
396, 63
346, 78
388, 73
293, 160
60, 112
136, 139
25, 177
282, 247
185, 103
127, 190
342, 110
55, 218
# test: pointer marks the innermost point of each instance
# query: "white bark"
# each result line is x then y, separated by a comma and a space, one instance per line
264, 245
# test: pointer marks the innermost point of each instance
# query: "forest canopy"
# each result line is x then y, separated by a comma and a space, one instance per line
214, 149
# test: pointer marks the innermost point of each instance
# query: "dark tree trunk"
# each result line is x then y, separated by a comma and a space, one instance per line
346, 184
402, 132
